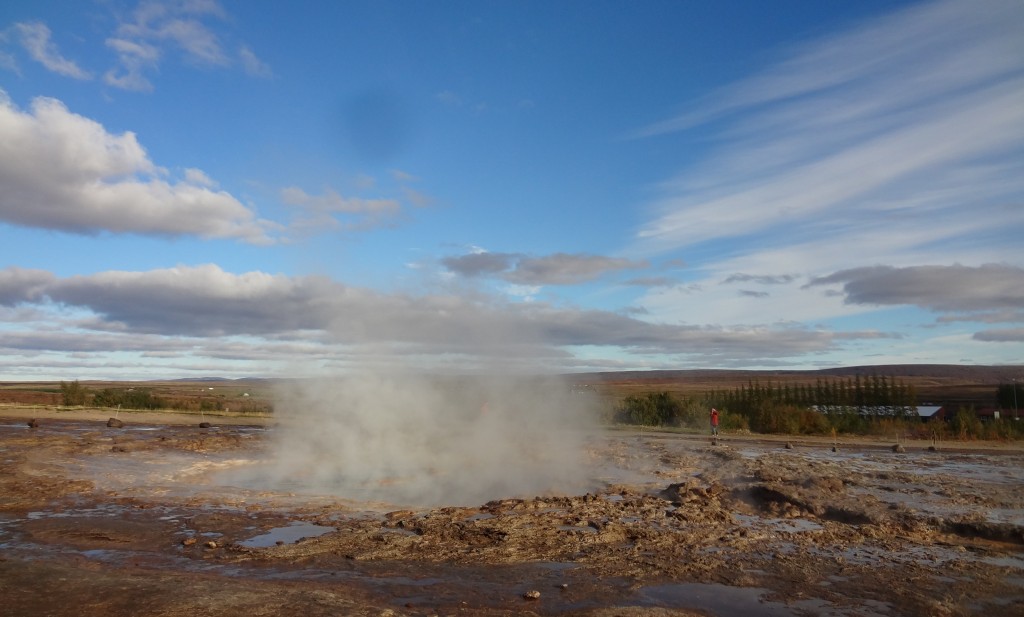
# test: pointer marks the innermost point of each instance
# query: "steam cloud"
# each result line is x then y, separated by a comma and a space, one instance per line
415, 440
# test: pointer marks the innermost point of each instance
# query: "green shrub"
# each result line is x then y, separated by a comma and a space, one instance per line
128, 399
73, 394
732, 421
965, 424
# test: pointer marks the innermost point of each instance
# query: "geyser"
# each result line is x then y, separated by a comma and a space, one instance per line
415, 440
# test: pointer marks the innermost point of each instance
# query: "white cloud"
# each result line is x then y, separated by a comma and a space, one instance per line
898, 142
524, 270
263, 307
449, 98
956, 288
860, 124
63, 171
900, 164
252, 64
135, 58
199, 178
20, 285
8, 62
35, 38
331, 201
333, 211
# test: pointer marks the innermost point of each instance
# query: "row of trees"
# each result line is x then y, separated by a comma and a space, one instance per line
874, 395
849, 405
1010, 395
872, 405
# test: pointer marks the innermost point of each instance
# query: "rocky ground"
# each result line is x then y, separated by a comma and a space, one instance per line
132, 521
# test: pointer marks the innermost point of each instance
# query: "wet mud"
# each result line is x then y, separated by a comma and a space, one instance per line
98, 520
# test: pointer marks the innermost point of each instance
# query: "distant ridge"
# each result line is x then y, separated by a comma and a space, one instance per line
979, 373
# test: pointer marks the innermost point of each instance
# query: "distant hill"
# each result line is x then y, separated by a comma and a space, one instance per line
989, 374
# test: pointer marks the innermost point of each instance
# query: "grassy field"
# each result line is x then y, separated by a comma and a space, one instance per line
934, 384
216, 395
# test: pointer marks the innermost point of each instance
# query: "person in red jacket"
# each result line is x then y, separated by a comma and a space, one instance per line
714, 421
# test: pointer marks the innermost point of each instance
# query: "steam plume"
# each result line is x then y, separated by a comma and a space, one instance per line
415, 440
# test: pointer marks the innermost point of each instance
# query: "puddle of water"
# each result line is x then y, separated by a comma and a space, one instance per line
714, 598
1005, 515
1005, 562
558, 566
725, 600
102, 510
287, 535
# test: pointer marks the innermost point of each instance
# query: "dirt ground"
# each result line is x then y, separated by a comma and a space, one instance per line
137, 521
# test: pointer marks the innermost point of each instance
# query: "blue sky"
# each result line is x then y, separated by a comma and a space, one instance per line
193, 188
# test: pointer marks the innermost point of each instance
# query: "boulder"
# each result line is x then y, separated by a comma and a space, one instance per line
114, 423
33, 423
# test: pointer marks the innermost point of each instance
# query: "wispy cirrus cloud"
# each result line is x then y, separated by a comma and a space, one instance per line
187, 28
332, 211
252, 64
897, 143
142, 39
36, 39
916, 116
154, 27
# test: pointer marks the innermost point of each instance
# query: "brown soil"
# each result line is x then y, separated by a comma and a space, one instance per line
678, 526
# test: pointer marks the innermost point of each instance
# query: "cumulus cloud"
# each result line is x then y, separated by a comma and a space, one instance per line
65, 172
555, 269
35, 37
